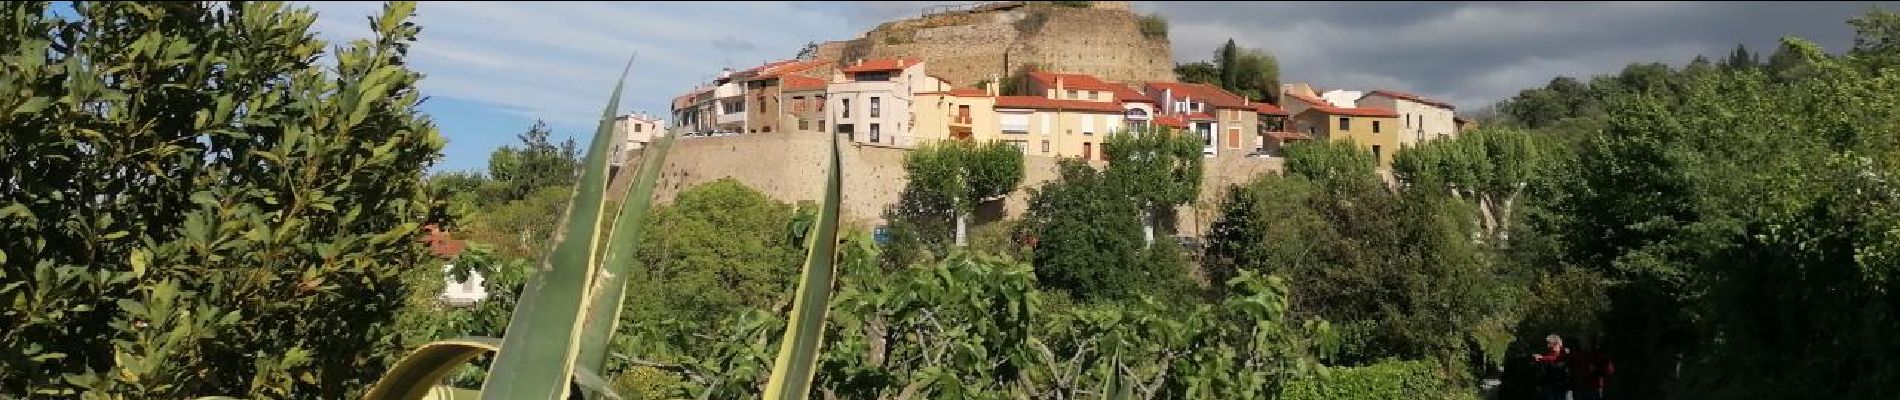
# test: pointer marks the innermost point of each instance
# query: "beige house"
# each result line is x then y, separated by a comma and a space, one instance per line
1420, 119
871, 101
1055, 127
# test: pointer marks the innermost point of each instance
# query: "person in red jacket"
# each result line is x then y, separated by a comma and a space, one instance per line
1552, 367
1590, 371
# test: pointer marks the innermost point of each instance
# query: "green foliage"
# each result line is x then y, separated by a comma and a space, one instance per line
188, 213
538, 163
1153, 26
718, 249
1087, 238
1384, 380
1072, 4
947, 180
1749, 224
1333, 164
801, 345
1198, 72
1087, 225
1487, 169
1876, 39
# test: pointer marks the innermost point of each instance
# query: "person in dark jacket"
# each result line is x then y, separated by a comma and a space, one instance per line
1590, 370
1553, 368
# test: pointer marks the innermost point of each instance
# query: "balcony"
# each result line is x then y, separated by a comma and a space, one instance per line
963, 120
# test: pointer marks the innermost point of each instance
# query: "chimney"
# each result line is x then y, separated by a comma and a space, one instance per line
1059, 86
994, 84
860, 63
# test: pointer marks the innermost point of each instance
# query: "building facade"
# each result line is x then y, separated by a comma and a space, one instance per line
1420, 119
870, 101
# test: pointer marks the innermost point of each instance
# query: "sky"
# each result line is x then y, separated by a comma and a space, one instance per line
493, 68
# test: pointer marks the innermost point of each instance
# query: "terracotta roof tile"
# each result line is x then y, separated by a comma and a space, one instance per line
1127, 94
1413, 97
1039, 102
1213, 96
795, 82
1170, 120
1266, 108
882, 64
1324, 107
1200, 117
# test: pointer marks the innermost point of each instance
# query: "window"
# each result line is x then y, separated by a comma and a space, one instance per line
881, 76
636, 128
1233, 138
874, 107
803, 124
1087, 151
1088, 124
846, 107
1021, 146
874, 131
1375, 153
845, 128
1072, 95
1094, 95
1045, 145
1375, 126
1345, 123
1408, 121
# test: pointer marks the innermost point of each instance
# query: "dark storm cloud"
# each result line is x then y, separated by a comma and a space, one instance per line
1474, 53
1471, 53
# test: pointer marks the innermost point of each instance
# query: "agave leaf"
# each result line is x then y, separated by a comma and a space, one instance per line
544, 330
798, 350
611, 286
416, 375
594, 385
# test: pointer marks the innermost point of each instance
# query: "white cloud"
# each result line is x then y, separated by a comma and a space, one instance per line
557, 60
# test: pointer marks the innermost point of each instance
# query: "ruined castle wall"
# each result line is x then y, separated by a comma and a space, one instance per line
968, 47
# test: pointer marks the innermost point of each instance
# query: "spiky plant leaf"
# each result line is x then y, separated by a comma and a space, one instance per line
798, 350
543, 335
415, 376
611, 286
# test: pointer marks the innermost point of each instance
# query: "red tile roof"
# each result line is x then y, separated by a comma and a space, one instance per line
795, 82
1071, 81
440, 244
1213, 96
962, 92
1265, 108
1039, 102
1200, 117
1130, 95
1169, 120
779, 70
882, 64
1413, 97
1324, 107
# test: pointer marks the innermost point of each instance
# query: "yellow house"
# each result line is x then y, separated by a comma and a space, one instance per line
961, 114
1373, 129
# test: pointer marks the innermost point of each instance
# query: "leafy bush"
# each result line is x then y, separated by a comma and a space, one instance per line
1381, 381
193, 205
1153, 26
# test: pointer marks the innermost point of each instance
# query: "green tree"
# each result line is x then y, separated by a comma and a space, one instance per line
1198, 72
1227, 60
1876, 38
1741, 59
1087, 238
517, 172
194, 205
947, 181
719, 248
1159, 170
1486, 168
